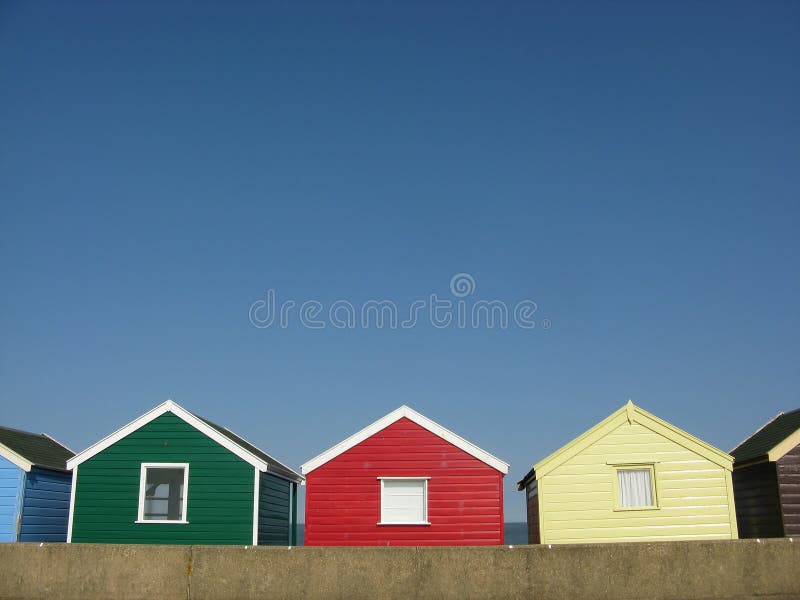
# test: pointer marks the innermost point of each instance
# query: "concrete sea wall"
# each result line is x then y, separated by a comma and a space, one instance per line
736, 569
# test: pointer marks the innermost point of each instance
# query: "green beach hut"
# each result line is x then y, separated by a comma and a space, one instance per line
172, 477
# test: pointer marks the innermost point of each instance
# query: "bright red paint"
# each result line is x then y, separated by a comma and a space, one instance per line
343, 496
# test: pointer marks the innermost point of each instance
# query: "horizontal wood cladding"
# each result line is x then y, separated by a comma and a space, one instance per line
788, 470
273, 511
220, 489
11, 482
758, 510
577, 498
464, 494
532, 500
45, 507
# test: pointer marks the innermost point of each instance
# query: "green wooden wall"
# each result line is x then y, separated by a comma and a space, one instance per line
273, 511
220, 501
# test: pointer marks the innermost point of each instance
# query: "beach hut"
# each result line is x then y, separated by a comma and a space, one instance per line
34, 487
172, 477
403, 481
766, 479
632, 477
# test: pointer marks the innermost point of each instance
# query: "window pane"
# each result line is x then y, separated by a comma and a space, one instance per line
163, 495
403, 501
635, 488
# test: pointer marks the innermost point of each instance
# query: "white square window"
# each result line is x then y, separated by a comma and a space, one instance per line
163, 493
635, 487
404, 501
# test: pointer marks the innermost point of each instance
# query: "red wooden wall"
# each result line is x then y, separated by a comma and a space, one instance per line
343, 496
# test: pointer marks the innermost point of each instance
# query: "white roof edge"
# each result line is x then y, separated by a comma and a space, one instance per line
51, 438
181, 413
422, 421
272, 458
16, 458
780, 414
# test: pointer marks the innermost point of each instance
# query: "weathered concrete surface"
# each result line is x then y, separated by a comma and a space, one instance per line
669, 570
730, 570
359, 573
87, 571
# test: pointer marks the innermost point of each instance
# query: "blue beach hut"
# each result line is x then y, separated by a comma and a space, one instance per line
35, 487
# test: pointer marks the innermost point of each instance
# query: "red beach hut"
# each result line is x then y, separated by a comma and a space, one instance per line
404, 481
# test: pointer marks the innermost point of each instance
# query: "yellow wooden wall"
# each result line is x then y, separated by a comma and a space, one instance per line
694, 495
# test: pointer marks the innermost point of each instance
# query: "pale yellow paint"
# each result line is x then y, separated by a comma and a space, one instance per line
781, 449
577, 492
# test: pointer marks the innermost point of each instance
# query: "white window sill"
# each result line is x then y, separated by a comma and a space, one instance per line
414, 523
634, 508
164, 522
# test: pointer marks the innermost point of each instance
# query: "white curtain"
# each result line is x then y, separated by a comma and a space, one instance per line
635, 488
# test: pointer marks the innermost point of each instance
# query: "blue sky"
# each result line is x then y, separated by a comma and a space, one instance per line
633, 168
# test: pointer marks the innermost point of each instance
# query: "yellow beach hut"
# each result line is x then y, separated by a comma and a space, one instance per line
631, 478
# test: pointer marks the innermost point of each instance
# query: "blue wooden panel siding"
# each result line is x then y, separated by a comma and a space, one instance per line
273, 511
45, 507
11, 481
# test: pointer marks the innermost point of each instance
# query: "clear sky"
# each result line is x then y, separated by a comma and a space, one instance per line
633, 168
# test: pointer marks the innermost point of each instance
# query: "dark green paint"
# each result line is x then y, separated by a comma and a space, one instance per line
273, 511
294, 514
220, 492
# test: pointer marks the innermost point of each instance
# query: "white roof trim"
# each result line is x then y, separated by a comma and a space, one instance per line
19, 460
755, 432
181, 413
59, 443
422, 421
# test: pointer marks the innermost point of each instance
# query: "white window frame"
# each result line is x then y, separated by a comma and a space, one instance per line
143, 489
653, 487
424, 481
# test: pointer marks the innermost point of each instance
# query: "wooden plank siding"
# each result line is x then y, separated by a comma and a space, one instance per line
788, 475
220, 489
45, 506
532, 496
694, 501
273, 511
343, 496
12, 480
758, 510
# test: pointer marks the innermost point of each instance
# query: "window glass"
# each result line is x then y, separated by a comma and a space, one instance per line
163, 494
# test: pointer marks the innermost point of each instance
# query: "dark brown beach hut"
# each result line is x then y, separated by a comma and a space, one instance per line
766, 479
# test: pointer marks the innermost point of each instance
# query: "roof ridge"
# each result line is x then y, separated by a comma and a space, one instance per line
51, 438
249, 443
752, 435
24, 431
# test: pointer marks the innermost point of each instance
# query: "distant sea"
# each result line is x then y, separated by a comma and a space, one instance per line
516, 534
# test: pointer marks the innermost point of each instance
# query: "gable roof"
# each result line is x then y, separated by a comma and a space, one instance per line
275, 467
26, 450
223, 436
632, 414
772, 441
411, 415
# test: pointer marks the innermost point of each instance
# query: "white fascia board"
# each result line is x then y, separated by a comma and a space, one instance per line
256, 496
19, 460
71, 517
181, 413
422, 421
